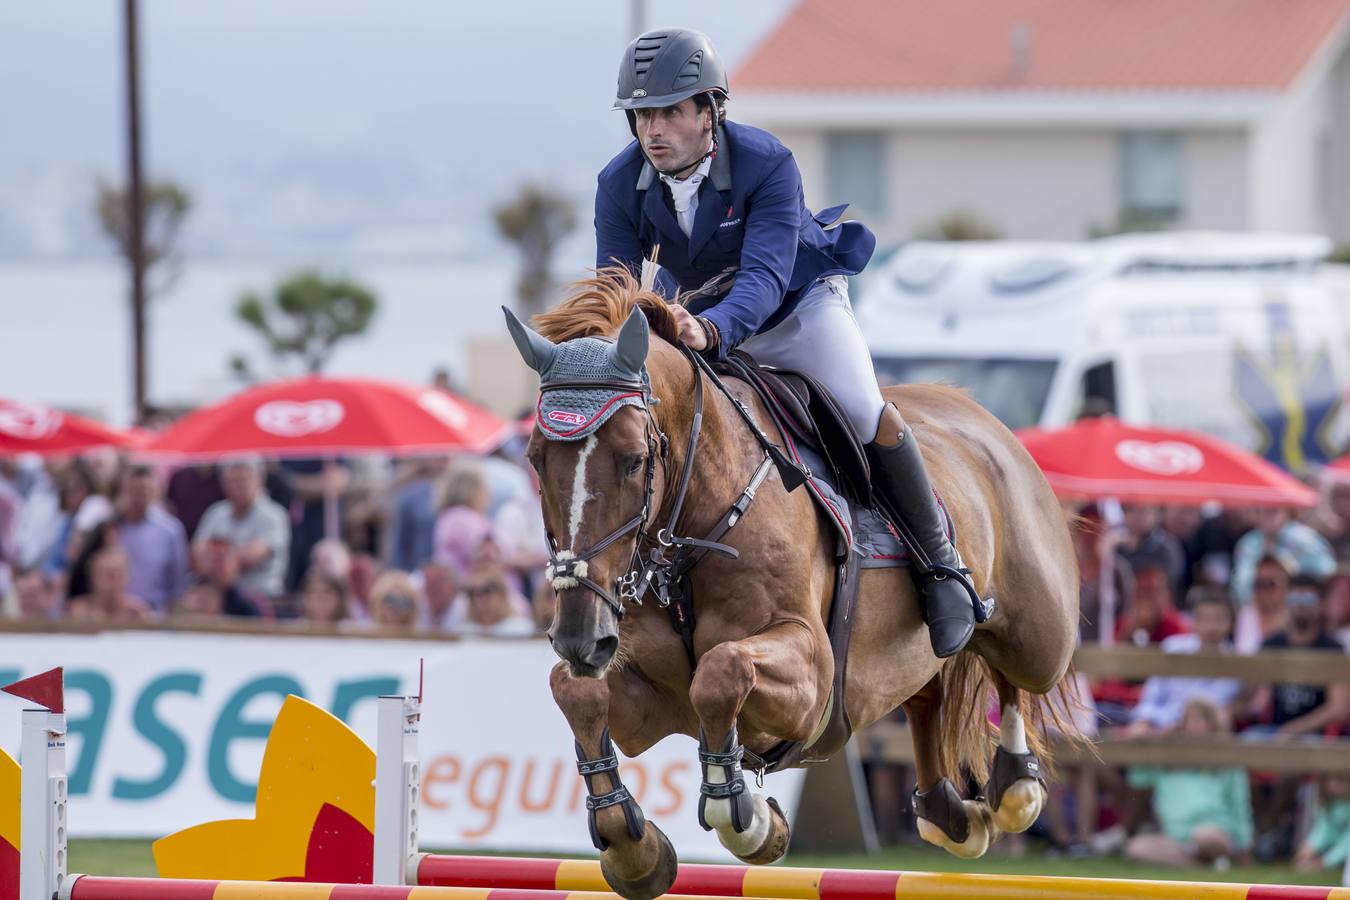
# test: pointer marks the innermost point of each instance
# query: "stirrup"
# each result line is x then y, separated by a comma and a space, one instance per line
938, 572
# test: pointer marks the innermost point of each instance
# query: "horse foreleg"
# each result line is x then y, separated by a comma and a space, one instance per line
636, 858
963, 828
1016, 791
773, 671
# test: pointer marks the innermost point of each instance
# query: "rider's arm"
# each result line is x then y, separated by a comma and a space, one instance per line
616, 234
767, 257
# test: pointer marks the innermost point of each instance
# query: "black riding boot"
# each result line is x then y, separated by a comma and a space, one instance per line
898, 473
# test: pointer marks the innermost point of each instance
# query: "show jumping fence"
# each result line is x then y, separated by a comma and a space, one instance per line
401, 872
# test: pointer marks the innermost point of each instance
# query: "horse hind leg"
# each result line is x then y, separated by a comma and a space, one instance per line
963, 828
1016, 791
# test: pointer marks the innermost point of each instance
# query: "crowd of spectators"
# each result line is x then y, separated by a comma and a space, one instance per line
426, 546
455, 546
1231, 581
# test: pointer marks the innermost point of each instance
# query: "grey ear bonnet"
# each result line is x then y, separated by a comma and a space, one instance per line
571, 412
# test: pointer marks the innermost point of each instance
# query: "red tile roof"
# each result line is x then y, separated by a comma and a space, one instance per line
926, 45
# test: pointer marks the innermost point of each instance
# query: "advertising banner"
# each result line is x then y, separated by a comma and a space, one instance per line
167, 730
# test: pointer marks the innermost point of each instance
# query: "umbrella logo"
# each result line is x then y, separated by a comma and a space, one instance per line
1161, 457
29, 423
286, 418
443, 406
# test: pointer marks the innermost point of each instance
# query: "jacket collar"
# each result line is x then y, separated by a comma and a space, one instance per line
719, 174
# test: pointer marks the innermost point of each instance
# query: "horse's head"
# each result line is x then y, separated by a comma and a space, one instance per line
597, 449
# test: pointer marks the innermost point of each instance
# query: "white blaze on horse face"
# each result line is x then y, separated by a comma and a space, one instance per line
579, 493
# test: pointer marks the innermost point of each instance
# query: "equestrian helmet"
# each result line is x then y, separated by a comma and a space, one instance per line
667, 65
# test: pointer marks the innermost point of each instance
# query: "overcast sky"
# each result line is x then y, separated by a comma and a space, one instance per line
297, 117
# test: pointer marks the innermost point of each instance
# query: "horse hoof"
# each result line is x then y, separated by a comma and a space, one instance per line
775, 843
975, 844
653, 884
1020, 806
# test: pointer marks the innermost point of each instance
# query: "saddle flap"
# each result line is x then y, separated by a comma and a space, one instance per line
809, 409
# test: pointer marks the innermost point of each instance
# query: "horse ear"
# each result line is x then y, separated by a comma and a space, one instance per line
537, 350
630, 351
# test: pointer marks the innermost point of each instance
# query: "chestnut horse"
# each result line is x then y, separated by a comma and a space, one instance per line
763, 668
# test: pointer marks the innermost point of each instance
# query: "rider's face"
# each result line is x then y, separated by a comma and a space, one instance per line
674, 137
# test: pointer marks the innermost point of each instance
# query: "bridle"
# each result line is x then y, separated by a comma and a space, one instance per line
671, 556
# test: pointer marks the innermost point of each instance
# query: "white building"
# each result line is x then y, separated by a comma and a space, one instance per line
1054, 118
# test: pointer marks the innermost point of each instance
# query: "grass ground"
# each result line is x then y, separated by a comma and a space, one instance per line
105, 857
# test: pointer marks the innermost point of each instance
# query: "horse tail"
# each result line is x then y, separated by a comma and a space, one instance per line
966, 736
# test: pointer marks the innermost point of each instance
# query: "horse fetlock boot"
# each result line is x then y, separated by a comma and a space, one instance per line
961, 827
607, 764
1016, 790
723, 780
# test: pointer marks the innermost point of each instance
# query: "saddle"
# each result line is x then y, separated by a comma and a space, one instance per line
806, 410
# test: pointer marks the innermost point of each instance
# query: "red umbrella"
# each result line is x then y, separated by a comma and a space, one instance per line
329, 416
1104, 457
30, 428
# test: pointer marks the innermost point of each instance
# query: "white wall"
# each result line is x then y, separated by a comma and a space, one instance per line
1027, 184
1216, 165
1337, 189
1286, 194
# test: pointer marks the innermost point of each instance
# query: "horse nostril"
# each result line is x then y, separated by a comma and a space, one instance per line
604, 650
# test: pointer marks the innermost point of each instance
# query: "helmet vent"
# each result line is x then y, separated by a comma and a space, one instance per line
693, 68
644, 53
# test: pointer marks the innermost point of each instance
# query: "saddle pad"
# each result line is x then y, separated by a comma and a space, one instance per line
868, 533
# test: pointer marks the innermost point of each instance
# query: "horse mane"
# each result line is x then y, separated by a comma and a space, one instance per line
597, 306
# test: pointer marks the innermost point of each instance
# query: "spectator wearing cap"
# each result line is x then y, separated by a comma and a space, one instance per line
154, 541
1276, 530
1264, 616
1305, 709
1163, 701
393, 601
255, 528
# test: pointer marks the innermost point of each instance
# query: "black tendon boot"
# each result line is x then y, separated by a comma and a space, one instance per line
898, 473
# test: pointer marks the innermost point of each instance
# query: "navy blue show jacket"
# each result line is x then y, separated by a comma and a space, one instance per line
751, 217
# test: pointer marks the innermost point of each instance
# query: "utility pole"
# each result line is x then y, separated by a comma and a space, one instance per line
637, 14
135, 208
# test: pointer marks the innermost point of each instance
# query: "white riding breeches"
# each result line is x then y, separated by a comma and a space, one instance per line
821, 338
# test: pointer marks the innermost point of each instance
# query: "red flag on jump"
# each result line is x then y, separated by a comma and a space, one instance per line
47, 689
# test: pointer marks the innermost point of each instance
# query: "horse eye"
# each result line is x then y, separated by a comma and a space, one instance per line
632, 462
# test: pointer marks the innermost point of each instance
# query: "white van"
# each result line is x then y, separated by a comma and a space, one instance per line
1240, 335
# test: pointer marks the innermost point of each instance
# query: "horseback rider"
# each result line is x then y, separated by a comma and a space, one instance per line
759, 272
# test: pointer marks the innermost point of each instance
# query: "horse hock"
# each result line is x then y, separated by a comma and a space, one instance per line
750, 825
636, 858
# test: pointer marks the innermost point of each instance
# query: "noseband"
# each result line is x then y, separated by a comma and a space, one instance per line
672, 556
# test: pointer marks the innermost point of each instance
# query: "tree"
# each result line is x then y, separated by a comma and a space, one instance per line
305, 318
167, 205
536, 221
164, 207
959, 226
